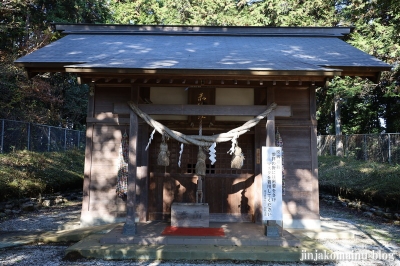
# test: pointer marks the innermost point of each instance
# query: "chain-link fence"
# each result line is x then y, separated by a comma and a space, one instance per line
17, 135
368, 147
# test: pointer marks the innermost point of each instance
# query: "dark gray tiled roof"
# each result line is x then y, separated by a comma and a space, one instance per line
215, 52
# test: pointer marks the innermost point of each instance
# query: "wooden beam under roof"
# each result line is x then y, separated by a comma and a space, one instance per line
200, 81
206, 110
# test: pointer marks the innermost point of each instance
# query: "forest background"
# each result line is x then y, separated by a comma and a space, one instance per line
58, 100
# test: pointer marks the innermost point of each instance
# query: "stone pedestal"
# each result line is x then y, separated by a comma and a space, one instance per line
190, 215
272, 229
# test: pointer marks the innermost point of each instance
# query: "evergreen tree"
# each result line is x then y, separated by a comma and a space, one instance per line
24, 27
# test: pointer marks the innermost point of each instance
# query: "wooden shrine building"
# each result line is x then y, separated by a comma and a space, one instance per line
199, 81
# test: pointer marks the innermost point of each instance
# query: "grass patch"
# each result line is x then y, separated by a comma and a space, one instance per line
375, 183
26, 173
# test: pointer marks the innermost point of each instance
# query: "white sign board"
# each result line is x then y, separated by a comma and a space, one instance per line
271, 183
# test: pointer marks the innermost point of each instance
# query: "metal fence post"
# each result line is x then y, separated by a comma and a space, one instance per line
65, 139
365, 148
389, 152
29, 137
48, 140
79, 139
2, 136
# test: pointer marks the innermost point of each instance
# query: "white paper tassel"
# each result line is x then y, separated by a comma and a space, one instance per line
212, 153
180, 155
151, 137
234, 142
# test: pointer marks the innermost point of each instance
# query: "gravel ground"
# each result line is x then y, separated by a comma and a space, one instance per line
376, 242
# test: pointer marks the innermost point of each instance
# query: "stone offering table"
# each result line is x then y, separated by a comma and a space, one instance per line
190, 214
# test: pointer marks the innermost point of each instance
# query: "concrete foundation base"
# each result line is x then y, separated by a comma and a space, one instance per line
236, 234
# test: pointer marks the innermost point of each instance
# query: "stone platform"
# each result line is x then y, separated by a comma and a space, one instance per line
236, 234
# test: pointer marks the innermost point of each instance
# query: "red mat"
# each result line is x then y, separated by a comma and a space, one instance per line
192, 231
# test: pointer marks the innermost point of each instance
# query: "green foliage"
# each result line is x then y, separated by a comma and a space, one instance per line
224, 12
361, 104
25, 26
52, 99
377, 32
376, 183
26, 174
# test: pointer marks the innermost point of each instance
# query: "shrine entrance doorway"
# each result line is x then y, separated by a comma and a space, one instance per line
228, 192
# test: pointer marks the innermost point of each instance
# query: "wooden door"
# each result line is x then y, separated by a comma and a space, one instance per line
227, 191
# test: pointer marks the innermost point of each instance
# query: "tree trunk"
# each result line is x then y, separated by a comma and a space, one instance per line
339, 142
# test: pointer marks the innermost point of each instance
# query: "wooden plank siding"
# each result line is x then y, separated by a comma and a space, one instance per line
297, 98
232, 195
105, 162
301, 184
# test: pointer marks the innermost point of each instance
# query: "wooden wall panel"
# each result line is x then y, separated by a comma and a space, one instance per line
228, 191
301, 205
105, 161
301, 185
298, 180
298, 99
104, 100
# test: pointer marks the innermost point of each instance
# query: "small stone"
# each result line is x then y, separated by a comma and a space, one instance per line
378, 213
396, 216
73, 197
368, 214
47, 203
2, 215
364, 207
8, 211
28, 207
59, 200
16, 211
388, 215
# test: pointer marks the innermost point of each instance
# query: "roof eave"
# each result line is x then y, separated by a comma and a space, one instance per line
68, 28
371, 73
215, 72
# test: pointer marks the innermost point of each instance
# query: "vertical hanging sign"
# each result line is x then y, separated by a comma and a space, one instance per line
271, 183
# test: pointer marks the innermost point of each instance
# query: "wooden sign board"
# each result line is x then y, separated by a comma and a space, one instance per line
271, 184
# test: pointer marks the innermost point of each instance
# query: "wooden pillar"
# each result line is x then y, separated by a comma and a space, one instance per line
130, 224
142, 172
314, 150
270, 141
271, 228
85, 216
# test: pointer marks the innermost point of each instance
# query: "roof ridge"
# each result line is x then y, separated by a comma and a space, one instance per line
126, 29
